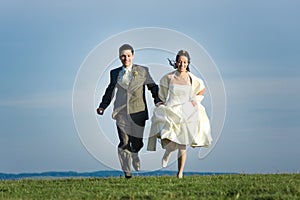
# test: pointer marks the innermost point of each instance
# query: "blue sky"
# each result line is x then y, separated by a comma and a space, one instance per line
255, 46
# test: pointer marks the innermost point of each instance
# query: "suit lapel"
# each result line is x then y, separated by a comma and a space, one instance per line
138, 78
133, 71
135, 77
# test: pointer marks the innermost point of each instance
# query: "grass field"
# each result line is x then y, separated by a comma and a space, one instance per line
238, 186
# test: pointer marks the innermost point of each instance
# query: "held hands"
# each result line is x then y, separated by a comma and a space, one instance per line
100, 111
159, 104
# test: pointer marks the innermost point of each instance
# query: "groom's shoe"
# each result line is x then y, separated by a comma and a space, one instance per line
136, 161
128, 175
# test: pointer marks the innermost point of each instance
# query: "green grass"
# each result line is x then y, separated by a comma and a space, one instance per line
256, 186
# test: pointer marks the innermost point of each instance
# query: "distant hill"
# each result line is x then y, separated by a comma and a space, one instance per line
97, 174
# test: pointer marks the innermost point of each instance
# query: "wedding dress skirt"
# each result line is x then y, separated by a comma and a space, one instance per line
181, 122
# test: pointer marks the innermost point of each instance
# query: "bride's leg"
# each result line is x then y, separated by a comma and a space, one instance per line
181, 160
169, 148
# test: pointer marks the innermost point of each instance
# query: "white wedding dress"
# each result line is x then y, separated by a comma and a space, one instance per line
181, 122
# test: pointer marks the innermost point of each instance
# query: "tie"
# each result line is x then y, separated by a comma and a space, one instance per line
125, 79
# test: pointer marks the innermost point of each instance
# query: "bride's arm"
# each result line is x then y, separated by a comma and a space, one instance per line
199, 97
201, 92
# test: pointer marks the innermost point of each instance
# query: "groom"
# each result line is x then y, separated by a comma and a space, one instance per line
130, 108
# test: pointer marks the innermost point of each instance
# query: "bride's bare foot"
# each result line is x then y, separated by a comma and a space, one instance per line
165, 159
180, 175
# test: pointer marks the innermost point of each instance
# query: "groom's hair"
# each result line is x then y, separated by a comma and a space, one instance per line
126, 47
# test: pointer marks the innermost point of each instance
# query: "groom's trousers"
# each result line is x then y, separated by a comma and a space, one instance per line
130, 131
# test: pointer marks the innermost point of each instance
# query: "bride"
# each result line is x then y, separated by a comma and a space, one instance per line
181, 120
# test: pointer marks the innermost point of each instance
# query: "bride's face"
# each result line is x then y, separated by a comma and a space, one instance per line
182, 63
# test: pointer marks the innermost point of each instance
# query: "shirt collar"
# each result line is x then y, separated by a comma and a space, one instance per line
128, 69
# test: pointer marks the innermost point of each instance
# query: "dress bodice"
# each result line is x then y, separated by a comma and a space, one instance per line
179, 94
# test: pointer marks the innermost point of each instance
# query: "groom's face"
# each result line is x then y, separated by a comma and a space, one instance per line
126, 58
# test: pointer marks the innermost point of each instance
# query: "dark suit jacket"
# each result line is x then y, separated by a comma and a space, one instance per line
133, 96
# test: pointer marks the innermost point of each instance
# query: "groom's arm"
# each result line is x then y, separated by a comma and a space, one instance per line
108, 95
154, 91
153, 87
